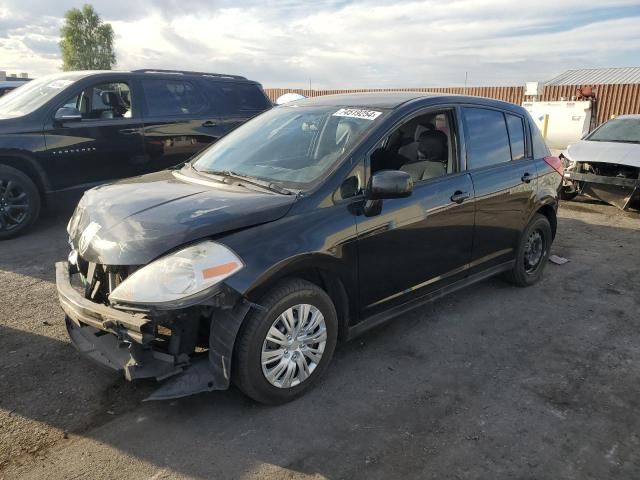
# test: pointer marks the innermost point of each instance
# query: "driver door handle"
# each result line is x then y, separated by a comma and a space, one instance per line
459, 196
210, 123
527, 177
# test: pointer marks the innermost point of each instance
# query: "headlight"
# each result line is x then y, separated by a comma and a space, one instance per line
176, 279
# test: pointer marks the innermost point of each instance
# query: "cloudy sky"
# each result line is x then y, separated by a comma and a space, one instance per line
341, 43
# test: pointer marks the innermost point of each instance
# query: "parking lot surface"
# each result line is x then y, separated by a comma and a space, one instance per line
492, 382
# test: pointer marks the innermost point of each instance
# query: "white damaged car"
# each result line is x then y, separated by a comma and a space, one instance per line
606, 163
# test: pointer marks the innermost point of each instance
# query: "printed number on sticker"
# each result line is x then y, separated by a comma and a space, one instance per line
357, 113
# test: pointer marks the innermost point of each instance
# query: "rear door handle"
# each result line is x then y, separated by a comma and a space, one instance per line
130, 131
460, 196
209, 123
527, 177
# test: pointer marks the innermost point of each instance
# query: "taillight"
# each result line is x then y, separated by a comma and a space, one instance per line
556, 164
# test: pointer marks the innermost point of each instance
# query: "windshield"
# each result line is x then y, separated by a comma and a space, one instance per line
32, 95
626, 130
293, 146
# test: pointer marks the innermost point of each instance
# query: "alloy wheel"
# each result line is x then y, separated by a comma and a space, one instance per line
294, 346
14, 204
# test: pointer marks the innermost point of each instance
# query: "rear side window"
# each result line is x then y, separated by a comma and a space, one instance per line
237, 97
515, 126
172, 97
540, 148
487, 138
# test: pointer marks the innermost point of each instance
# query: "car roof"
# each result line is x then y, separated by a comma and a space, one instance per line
393, 100
161, 73
628, 115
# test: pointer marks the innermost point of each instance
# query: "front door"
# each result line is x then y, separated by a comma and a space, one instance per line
504, 179
106, 144
420, 243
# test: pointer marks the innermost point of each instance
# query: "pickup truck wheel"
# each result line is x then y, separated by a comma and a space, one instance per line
19, 202
282, 352
533, 252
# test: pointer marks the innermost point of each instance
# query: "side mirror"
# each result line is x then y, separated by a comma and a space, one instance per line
67, 114
389, 184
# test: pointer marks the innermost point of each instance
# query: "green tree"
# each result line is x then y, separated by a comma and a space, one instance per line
86, 42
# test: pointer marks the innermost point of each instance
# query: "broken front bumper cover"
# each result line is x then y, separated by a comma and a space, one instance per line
122, 341
618, 191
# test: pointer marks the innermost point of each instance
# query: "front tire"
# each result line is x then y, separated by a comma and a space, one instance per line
281, 353
533, 252
19, 202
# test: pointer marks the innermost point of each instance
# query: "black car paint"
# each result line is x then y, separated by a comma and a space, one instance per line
66, 158
142, 218
373, 265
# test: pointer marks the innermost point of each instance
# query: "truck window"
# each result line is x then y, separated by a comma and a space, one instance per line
242, 97
169, 97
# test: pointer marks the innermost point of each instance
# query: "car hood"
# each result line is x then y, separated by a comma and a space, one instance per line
607, 152
133, 221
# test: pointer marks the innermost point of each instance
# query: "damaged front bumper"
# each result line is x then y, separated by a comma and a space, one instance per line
126, 341
618, 191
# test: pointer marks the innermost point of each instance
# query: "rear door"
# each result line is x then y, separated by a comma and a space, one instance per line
105, 144
419, 243
180, 119
504, 179
236, 101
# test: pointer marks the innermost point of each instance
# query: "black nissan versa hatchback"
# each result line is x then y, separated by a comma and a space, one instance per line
62, 134
312, 222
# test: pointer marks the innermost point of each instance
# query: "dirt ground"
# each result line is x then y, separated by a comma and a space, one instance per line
492, 382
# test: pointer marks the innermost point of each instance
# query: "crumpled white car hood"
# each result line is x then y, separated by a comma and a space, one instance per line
608, 152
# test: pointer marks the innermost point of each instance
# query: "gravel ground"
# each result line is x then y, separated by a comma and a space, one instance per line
492, 382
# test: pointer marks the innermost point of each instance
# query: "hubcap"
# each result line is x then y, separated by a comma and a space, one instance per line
14, 204
533, 251
294, 346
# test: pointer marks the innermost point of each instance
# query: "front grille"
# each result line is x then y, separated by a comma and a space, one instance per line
609, 169
100, 280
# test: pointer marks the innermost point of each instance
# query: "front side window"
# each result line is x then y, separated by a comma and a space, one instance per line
172, 97
34, 94
487, 138
103, 101
295, 146
423, 147
621, 130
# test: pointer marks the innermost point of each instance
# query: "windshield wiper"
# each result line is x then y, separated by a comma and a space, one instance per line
273, 187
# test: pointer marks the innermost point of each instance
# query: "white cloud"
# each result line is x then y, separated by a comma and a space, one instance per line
347, 44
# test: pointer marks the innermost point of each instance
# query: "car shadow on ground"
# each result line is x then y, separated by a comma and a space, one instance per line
529, 382
34, 252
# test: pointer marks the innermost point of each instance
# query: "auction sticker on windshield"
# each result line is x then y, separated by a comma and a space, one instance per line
357, 113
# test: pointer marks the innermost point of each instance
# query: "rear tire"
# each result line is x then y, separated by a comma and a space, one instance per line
19, 202
533, 252
258, 360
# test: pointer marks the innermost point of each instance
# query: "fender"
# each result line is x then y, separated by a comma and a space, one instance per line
24, 161
307, 262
